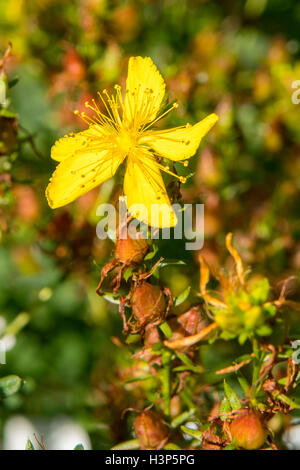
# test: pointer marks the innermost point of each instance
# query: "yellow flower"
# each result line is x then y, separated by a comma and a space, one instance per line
90, 157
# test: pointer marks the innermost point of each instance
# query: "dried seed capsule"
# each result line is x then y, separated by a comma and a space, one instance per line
129, 250
150, 430
148, 303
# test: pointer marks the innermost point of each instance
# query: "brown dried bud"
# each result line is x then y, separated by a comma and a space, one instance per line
8, 135
188, 323
211, 440
192, 321
148, 303
131, 251
151, 431
269, 385
248, 430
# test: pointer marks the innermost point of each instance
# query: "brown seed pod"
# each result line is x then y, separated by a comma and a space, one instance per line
131, 251
148, 303
248, 430
151, 431
8, 135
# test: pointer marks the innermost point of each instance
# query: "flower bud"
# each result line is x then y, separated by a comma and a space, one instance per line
129, 250
8, 134
150, 430
248, 430
148, 303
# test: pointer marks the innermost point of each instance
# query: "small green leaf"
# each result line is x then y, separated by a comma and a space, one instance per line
13, 82
172, 446
166, 330
29, 445
183, 296
152, 253
7, 113
225, 408
192, 432
112, 299
182, 418
260, 292
132, 339
79, 447
127, 273
264, 330
9, 385
171, 262
127, 445
232, 445
232, 397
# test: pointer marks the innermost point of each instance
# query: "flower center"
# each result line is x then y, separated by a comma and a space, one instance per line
126, 141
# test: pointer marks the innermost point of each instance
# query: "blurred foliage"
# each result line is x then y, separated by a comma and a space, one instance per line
237, 58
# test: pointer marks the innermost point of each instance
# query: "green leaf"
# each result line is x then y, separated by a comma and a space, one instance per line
79, 447
232, 445
260, 292
13, 82
9, 385
152, 253
171, 262
183, 296
166, 330
132, 339
243, 383
264, 330
182, 418
243, 338
192, 432
138, 379
172, 446
127, 273
232, 397
29, 445
225, 408
7, 113
127, 445
112, 299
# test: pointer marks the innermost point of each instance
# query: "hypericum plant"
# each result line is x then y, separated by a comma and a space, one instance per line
164, 331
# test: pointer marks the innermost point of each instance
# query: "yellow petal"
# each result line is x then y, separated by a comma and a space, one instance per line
78, 174
67, 145
179, 144
145, 89
143, 185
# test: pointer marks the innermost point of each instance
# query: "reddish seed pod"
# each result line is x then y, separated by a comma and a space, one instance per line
151, 431
148, 303
129, 250
248, 430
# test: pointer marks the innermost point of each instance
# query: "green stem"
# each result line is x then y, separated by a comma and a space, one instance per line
166, 382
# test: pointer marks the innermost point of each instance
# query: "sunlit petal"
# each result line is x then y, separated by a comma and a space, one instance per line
181, 143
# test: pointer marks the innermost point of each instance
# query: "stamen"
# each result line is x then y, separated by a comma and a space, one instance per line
159, 117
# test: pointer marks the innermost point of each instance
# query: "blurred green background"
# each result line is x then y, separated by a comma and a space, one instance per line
236, 58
